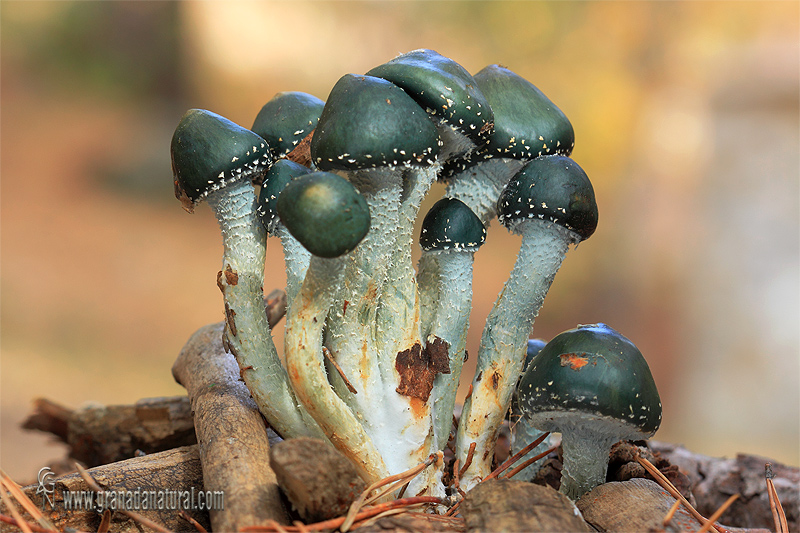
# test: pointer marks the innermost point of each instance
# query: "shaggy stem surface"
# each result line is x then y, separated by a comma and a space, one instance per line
247, 333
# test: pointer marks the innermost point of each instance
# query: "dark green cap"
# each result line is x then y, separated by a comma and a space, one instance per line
551, 188
443, 88
451, 224
594, 370
369, 122
276, 178
287, 119
209, 152
526, 123
325, 212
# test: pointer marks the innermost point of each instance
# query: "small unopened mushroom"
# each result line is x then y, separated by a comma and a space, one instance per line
551, 203
594, 386
527, 125
328, 216
216, 160
451, 234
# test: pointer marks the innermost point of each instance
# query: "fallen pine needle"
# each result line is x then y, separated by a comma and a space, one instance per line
669, 487
22, 524
781, 526
529, 462
671, 513
468, 460
365, 513
393, 482
516, 457
714, 517
26, 502
183, 514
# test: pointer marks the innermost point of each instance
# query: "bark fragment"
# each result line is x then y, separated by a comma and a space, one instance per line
418, 368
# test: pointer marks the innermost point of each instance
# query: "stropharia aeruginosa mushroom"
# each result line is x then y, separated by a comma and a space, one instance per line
527, 125
551, 204
451, 234
594, 386
376, 135
328, 216
216, 160
286, 121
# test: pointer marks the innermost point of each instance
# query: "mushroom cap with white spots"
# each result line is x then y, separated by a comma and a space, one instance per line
287, 119
595, 373
553, 189
209, 152
443, 88
281, 173
451, 225
369, 122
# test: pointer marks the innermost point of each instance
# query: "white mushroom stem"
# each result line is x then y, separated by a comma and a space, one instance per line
480, 185
449, 322
305, 364
296, 258
586, 442
502, 349
247, 334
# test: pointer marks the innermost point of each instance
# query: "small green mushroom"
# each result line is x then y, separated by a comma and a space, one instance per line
594, 386
451, 234
216, 160
328, 216
551, 203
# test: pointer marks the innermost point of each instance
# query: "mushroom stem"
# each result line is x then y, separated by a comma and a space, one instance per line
449, 322
522, 434
305, 363
502, 349
296, 259
586, 454
247, 331
479, 186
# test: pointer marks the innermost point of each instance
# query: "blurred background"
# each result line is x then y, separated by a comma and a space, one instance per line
686, 120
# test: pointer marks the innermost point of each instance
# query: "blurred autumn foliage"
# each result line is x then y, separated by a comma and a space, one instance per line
686, 119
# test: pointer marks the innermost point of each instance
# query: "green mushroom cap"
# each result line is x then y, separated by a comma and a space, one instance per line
276, 178
325, 213
551, 188
209, 152
450, 224
443, 88
526, 123
287, 119
368, 122
594, 372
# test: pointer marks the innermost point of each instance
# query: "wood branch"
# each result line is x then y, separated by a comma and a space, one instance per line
100, 434
232, 434
173, 470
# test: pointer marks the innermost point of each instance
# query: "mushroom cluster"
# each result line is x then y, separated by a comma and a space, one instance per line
374, 347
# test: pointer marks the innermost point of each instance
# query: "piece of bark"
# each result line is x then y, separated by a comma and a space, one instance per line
635, 505
414, 523
173, 470
234, 445
318, 480
509, 505
714, 480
